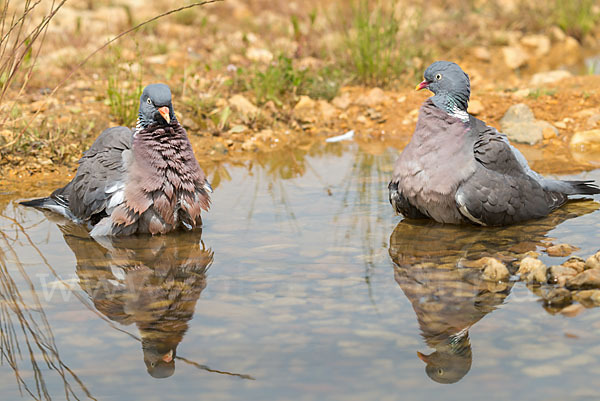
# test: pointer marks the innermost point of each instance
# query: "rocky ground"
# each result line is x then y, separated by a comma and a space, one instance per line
568, 288
251, 77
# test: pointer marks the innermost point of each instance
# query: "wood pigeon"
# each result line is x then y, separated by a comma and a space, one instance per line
141, 181
456, 169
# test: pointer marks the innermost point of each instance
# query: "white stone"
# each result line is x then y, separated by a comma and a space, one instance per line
544, 78
243, 105
540, 43
475, 107
372, 98
259, 55
557, 34
514, 56
482, 53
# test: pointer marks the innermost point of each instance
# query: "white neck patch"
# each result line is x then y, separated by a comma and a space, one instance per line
138, 127
460, 114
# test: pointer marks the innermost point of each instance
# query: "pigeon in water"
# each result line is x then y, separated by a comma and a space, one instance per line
456, 169
145, 181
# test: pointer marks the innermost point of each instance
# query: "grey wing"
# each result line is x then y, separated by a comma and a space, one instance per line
511, 152
493, 151
492, 199
502, 190
99, 183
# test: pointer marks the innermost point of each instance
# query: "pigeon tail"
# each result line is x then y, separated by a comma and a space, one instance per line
40, 202
53, 204
583, 187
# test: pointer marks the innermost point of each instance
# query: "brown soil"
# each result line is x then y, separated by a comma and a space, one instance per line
389, 122
396, 117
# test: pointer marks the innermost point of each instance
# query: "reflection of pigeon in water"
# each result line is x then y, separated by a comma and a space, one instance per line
447, 303
153, 282
448, 297
456, 169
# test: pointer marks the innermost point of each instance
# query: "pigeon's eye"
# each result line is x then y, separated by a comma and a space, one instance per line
149, 101
440, 370
438, 77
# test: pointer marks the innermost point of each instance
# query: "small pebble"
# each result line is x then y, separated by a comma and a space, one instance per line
557, 272
482, 53
548, 133
587, 279
576, 263
572, 310
527, 264
475, 107
593, 262
557, 297
532, 270
537, 274
560, 250
494, 270
588, 298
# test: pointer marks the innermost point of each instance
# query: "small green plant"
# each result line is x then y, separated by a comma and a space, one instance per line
124, 90
324, 83
375, 41
536, 93
280, 78
281, 81
575, 17
204, 111
296, 27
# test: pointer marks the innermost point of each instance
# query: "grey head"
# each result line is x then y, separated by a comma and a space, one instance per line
451, 360
159, 360
156, 106
450, 85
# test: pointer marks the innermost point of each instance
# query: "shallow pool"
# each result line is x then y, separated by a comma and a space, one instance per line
303, 285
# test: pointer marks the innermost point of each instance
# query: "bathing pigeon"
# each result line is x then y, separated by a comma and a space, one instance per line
456, 169
145, 181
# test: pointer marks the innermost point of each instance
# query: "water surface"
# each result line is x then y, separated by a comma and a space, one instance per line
302, 285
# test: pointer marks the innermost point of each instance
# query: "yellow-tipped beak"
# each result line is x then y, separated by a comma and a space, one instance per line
422, 85
164, 112
423, 357
168, 357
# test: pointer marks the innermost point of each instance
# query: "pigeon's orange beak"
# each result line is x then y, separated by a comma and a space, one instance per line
423, 357
422, 85
168, 357
164, 112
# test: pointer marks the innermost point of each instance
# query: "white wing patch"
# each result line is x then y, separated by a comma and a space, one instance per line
118, 273
62, 211
115, 187
115, 200
460, 201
